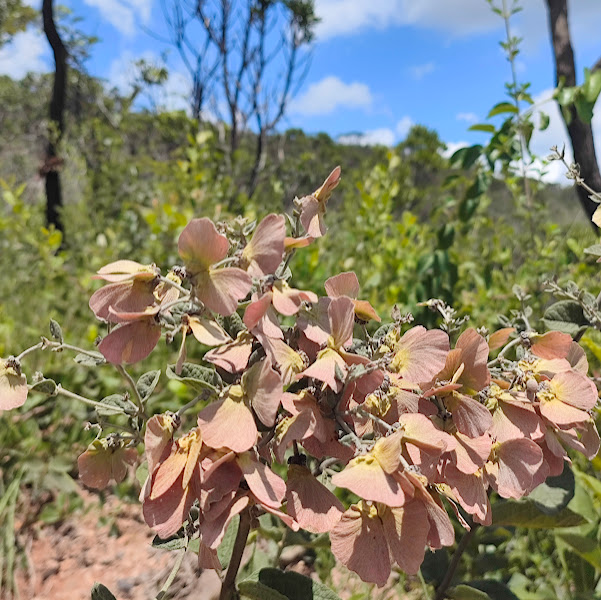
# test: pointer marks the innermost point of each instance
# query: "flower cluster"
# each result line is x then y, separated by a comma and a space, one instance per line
404, 426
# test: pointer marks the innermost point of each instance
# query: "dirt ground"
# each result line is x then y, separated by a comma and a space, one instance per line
110, 545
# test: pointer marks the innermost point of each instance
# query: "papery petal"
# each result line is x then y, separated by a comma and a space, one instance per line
130, 343
266, 486
288, 362
562, 414
309, 502
499, 338
574, 389
311, 217
406, 529
212, 531
256, 310
13, 386
420, 354
343, 284
221, 289
470, 492
265, 250
324, 369
287, 301
518, 461
208, 332
95, 465
341, 314
119, 461
228, 423
291, 243
359, 543
208, 558
365, 477
129, 296
514, 420
552, 344
365, 311
158, 439
263, 387
324, 191
233, 356
470, 454
166, 514
577, 358
471, 418
123, 270
168, 472
200, 245
584, 439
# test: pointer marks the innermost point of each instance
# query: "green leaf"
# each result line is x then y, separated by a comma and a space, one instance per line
486, 127
101, 592
565, 316
592, 85
501, 108
196, 376
526, 514
585, 547
466, 157
594, 250
291, 586
544, 121
466, 592
225, 549
55, 331
494, 589
93, 359
147, 383
142, 473
259, 591
171, 543
552, 496
115, 404
46, 386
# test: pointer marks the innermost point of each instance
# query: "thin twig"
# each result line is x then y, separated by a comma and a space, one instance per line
228, 587
461, 547
162, 594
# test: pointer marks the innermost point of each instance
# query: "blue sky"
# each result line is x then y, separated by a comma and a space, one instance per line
378, 65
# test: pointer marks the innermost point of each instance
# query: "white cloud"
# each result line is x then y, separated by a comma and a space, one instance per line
469, 117
330, 94
404, 125
452, 147
420, 71
123, 14
375, 137
458, 17
453, 17
24, 54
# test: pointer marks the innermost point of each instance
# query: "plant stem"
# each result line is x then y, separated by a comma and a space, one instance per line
178, 563
134, 389
68, 394
461, 547
228, 587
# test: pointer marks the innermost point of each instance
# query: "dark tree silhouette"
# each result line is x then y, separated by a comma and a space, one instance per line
580, 132
51, 168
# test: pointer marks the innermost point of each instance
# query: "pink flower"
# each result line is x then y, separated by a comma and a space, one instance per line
264, 253
229, 422
347, 284
313, 207
201, 247
567, 399
420, 354
309, 502
552, 344
233, 356
105, 460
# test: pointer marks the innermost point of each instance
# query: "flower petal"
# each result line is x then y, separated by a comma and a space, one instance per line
266, 248
200, 245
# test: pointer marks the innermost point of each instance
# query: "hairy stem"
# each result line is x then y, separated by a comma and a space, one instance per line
228, 587
448, 577
178, 563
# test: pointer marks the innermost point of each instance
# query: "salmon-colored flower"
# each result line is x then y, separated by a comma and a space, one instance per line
201, 247
229, 422
347, 284
263, 254
232, 356
105, 459
313, 207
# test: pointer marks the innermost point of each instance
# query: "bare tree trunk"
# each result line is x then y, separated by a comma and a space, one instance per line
54, 200
580, 132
